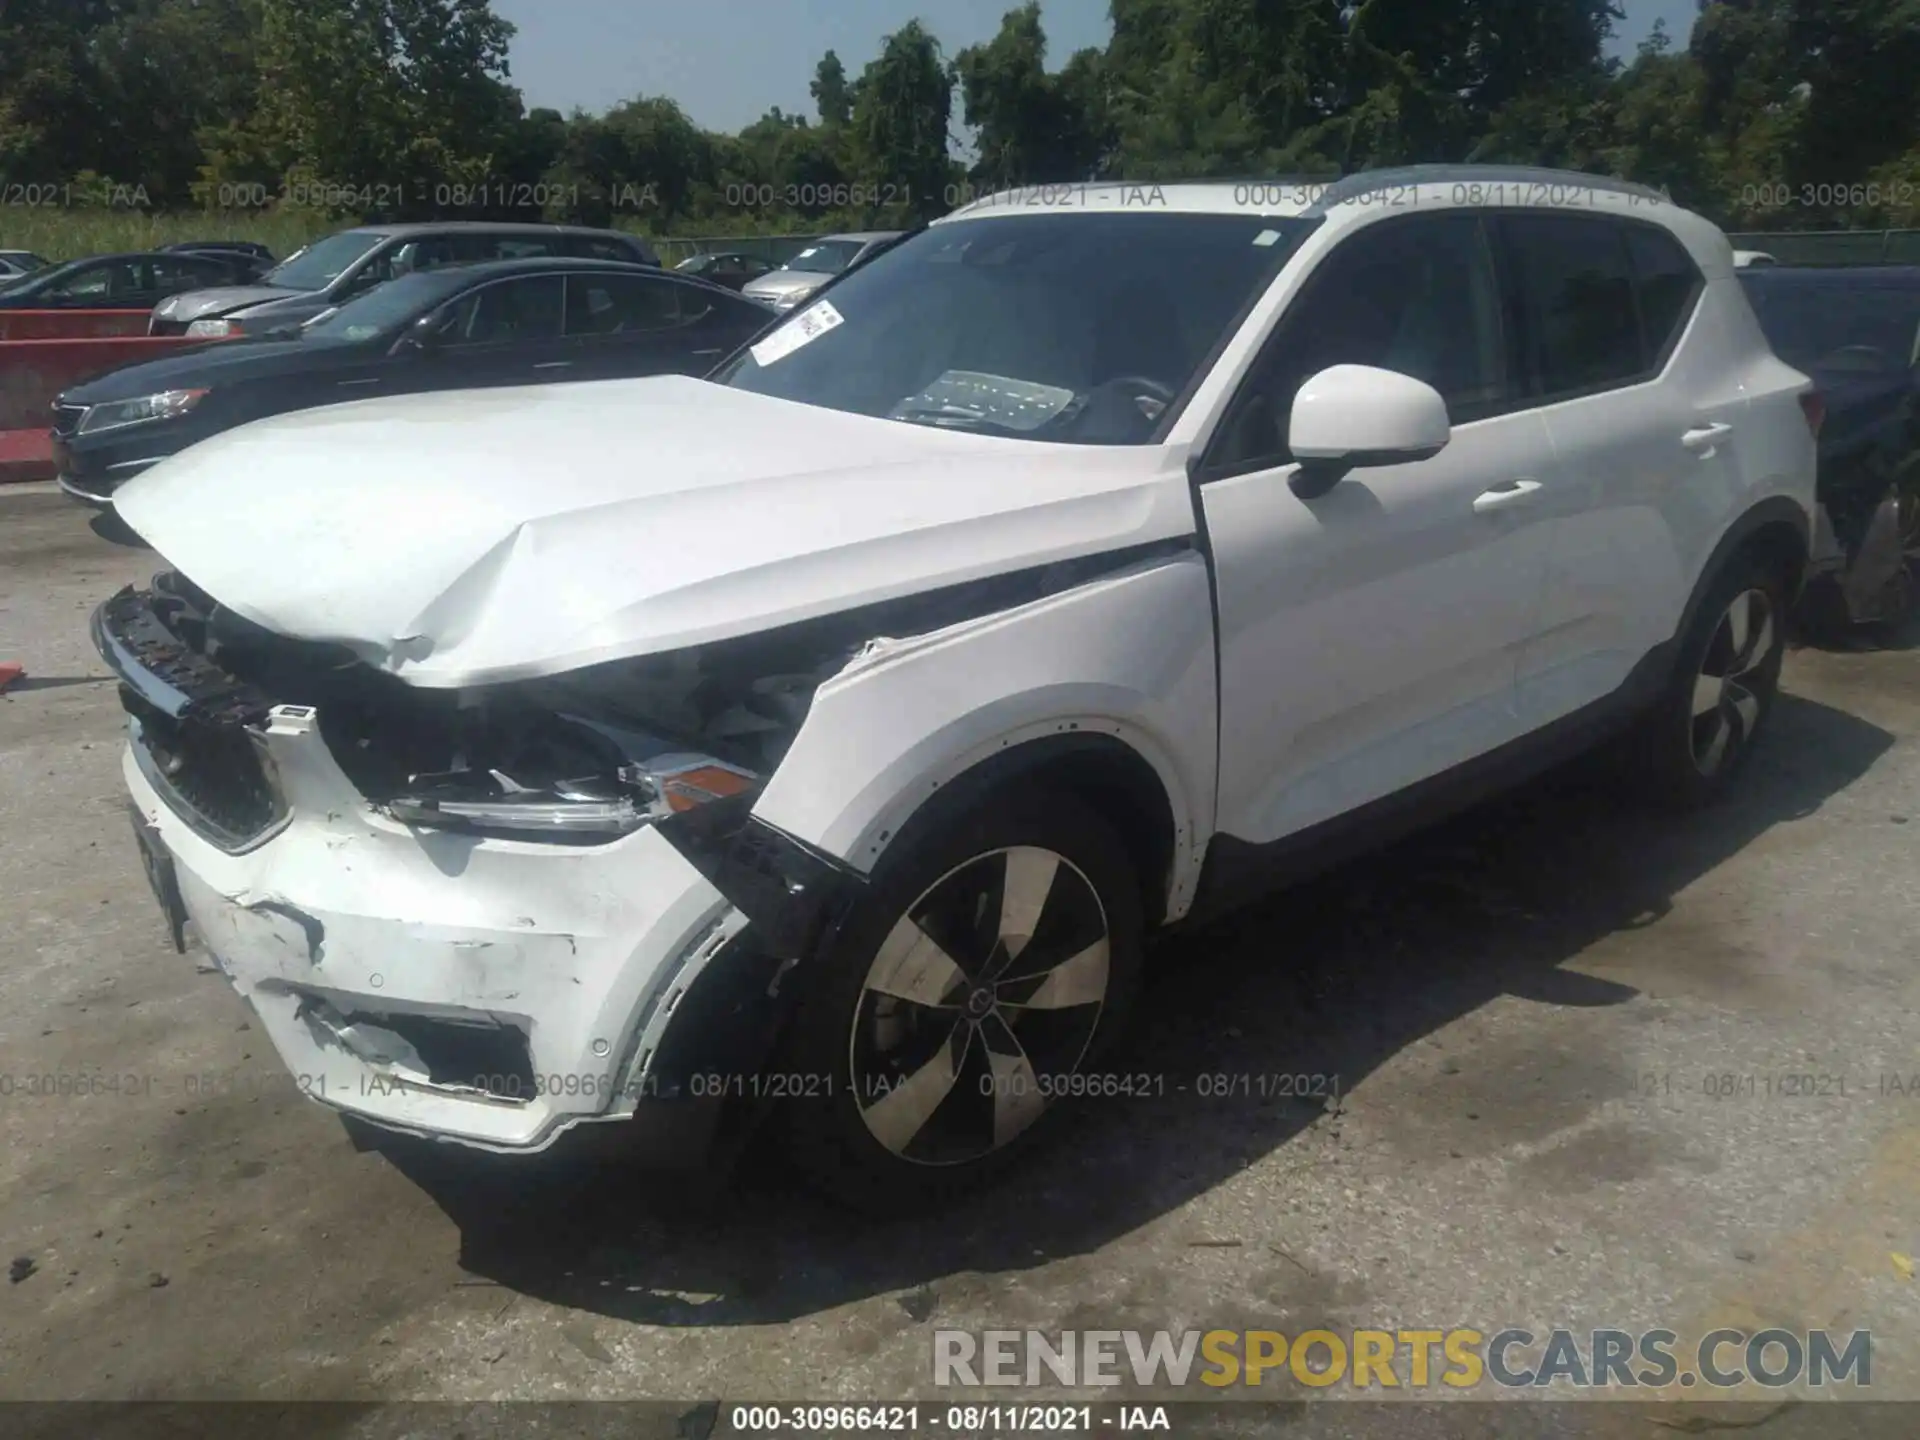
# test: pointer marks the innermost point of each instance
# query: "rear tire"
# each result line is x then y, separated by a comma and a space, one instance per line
992, 959
1693, 743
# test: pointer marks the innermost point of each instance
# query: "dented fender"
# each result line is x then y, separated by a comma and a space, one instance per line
1128, 655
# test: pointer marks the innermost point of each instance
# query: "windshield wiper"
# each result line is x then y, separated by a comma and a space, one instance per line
951, 417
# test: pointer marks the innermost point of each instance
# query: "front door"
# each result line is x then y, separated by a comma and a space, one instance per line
506, 333
1368, 637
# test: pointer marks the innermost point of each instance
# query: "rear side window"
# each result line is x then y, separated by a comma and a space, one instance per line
628, 305
596, 247
520, 247
1577, 286
1668, 285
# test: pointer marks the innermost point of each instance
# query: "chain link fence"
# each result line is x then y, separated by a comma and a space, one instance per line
1835, 247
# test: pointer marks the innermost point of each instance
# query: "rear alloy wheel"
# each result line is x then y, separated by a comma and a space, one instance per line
975, 981
1734, 675
1694, 742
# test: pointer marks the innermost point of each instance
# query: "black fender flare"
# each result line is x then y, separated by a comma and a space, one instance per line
1774, 511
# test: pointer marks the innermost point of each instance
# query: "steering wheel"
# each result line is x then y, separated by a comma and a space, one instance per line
1138, 386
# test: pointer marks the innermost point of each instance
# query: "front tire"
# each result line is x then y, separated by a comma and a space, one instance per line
993, 959
1697, 739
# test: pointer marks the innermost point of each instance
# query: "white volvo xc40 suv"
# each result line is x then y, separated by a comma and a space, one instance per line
824, 737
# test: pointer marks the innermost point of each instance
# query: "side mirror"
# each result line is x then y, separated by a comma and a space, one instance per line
1355, 416
423, 335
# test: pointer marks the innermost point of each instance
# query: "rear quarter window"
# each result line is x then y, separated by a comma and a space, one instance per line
1667, 285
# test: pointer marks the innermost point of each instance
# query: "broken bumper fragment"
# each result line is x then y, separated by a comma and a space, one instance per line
479, 990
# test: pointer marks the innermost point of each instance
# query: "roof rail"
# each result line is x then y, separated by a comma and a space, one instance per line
1368, 181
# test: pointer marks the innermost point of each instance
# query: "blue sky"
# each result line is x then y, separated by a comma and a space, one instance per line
726, 61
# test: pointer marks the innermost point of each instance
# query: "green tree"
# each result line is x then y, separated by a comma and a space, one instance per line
1032, 126
832, 96
902, 107
393, 96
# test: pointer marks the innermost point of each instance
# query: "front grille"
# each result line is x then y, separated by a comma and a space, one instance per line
195, 729
66, 419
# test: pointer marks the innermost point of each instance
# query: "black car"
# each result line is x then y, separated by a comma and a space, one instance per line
1855, 331
333, 270
255, 259
512, 322
120, 282
729, 268
244, 247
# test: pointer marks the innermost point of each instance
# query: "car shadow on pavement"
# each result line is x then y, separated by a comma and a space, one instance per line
1332, 978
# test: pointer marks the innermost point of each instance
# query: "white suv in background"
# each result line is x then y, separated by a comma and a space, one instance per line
826, 737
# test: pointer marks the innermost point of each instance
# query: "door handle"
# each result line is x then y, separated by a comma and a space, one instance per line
553, 365
702, 354
344, 383
1703, 440
1506, 494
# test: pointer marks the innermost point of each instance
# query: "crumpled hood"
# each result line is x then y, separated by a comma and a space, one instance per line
469, 537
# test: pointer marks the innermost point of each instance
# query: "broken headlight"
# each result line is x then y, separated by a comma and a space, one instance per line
639, 789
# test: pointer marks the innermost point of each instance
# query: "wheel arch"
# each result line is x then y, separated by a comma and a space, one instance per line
1777, 530
1099, 768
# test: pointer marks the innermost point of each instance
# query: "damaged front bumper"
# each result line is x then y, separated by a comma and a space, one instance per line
487, 991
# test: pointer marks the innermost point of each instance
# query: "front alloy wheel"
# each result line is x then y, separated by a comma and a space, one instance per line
1734, 675
990, 962
981, 1000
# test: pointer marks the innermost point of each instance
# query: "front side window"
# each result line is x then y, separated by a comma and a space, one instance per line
1578, 288
510, 312
1078, 328
1420, 297
96, 282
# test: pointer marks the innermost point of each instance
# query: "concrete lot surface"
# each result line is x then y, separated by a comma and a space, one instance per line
1564, 1030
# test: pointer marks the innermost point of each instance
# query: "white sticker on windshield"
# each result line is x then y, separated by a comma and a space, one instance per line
1266, 237
803, 329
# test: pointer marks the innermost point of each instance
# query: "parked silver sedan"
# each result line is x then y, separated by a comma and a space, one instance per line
806, 272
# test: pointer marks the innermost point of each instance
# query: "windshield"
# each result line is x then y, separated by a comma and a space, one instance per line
23, 257
1859, 329
826, 257
1080, 329
387, 309
322, 262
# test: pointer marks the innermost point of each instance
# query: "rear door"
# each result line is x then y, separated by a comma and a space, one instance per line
1644, 416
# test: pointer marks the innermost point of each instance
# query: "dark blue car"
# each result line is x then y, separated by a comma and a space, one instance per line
1856, 331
